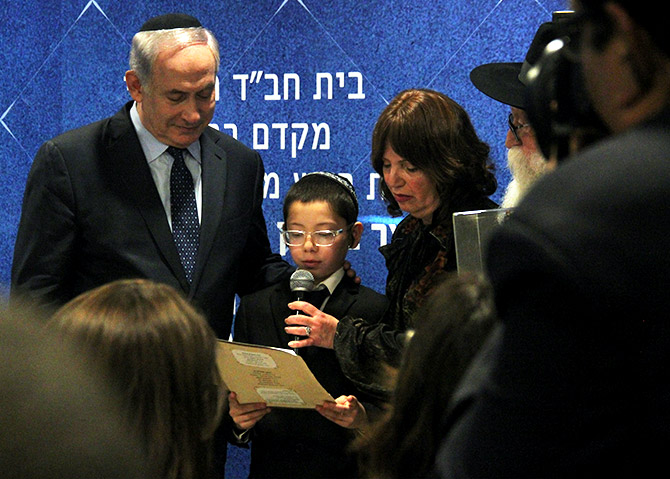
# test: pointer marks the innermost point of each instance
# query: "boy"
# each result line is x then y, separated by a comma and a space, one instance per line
320, 225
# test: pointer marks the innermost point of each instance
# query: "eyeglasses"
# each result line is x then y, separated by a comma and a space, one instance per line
515, 128
319, 238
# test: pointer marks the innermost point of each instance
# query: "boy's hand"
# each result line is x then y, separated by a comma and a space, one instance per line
246, 416
318, 327
346, 411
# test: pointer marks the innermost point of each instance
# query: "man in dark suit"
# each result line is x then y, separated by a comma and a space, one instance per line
575, 383
104, 201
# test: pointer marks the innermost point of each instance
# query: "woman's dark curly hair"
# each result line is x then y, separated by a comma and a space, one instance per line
435, 134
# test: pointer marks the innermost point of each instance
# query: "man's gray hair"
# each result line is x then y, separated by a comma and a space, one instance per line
147, 46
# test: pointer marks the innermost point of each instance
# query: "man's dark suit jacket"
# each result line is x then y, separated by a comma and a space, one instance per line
576, 382
298, 443
92, 214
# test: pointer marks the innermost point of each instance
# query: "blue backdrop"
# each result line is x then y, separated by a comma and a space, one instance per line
301, 81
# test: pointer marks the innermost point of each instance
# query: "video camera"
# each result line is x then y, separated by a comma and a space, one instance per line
558, 105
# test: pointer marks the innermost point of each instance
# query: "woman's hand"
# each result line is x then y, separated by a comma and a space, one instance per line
317, 327
351, 272
246, 416
346, 411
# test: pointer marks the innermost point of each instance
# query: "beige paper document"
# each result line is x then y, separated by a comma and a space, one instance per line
275, 376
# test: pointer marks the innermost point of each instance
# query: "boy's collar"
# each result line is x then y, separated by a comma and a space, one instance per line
332, 281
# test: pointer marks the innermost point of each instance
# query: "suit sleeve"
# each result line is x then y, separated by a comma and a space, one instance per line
361, 347
240, 327
526, 385
362, 342
45, 242
263, 266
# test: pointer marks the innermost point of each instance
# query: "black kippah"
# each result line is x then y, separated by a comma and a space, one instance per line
340, 180
170, 21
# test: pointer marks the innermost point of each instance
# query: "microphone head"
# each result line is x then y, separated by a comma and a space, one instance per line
301, 280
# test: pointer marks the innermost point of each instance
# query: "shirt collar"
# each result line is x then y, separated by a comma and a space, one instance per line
332, 281
151, 147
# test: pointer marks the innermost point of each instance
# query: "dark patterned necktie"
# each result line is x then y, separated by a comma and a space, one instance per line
317, 297
185, 224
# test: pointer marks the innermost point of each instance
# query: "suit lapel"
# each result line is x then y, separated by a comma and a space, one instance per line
126, 155
214, 173
342, 299
280, 297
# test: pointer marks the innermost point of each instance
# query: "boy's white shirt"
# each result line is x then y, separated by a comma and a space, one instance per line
331, 283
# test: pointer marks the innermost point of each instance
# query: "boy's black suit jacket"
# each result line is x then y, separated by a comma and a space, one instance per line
295, 442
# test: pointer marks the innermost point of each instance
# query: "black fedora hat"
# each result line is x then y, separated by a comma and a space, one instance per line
501, 82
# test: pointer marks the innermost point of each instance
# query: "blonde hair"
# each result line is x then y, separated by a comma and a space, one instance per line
159, 352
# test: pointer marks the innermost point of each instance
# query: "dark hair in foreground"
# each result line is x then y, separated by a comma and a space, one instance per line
159, 353
58, 415
646, 14
454, 322
435, 134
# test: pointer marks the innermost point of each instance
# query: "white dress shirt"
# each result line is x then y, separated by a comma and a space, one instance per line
160, 163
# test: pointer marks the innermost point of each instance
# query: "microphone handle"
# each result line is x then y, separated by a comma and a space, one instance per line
299, 296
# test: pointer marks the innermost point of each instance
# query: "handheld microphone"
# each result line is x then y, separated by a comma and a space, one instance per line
301, 281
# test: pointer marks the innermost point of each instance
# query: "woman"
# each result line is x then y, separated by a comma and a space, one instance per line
160, 354
455, 321
431, 164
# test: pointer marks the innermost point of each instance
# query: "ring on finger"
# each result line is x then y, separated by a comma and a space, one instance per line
308, 330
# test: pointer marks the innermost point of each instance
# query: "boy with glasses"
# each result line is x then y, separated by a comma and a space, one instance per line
320, 225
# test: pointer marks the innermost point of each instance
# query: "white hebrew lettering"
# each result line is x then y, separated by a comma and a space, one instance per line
317, 129
373, 186
348, 176
299, 133
381, 227
301, 143
288, 77
275, 87
256, 76
232, 127
258, 145
383, 233
340, 76
329, 81
243, 77
271, 177
282, 133
359, 95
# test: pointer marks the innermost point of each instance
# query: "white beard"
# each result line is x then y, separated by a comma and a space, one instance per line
525, 170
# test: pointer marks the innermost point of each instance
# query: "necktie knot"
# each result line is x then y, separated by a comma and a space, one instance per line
176, 153
316, 297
